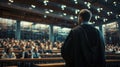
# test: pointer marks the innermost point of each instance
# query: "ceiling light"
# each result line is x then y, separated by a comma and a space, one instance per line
111, 12
76, 2
104, 20
47, 12
63, 7
75, 16
11, 1
119, 15
33, 6
45, 2
88, 5
108, 13
76, 11
71, 18
96, 17
101, 8
45, 16
85, 2
98, 9
64, 14
114, 2
51, 10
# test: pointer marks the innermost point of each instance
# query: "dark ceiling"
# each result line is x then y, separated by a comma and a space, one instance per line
60, 12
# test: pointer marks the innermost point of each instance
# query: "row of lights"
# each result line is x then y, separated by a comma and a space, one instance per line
76, 11
45, 3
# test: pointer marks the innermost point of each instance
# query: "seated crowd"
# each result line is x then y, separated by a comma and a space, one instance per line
111, 48
26, 48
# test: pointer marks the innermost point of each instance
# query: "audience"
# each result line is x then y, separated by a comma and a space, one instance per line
8, 53
27, 48
111, 48
23, 52
35, 53
34, 48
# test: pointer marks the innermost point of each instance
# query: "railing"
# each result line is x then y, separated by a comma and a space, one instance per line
52, 60
28, 62
50, 65
47, 62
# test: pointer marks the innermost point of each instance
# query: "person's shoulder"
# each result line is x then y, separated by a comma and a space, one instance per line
88, 26
76, 28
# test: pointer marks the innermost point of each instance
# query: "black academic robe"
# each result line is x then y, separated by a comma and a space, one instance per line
84, 47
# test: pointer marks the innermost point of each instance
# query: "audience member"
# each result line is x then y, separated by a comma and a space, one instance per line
8, 53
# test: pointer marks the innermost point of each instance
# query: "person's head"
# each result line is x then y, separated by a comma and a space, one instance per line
36, 49
9, 50
84, 15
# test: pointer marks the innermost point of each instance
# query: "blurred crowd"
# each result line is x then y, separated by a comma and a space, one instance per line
27, 48
111, 48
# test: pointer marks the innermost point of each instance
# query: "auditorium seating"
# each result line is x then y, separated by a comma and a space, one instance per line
50, 59
48, 62
29, 61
